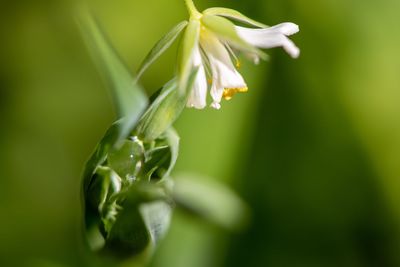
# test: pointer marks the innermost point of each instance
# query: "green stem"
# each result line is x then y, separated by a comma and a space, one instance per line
194, 13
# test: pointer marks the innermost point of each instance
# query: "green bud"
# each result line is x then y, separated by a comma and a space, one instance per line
128, 194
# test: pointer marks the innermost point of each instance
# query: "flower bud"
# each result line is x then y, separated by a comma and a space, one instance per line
127, 195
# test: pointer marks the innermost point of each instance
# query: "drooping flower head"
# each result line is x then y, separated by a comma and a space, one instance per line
208, 45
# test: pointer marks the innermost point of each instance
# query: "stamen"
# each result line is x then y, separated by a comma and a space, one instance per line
238, 65
206, 62
230, 92
233, 55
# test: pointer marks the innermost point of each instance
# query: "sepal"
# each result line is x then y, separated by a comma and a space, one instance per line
233, 14
160, 47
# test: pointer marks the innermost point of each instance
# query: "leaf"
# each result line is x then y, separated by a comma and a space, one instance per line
225, 29
129, 97
190, 40
210, 200
160, 47
232, 14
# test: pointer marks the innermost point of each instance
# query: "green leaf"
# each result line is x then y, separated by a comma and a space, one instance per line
190, 40
210, 200
129, 97
232, 14
163, 44
225, 29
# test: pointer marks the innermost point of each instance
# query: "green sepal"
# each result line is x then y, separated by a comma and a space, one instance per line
225, 29
161, 158
172, 139
233, 14
100, 153
189, 41
143, 218
95, 188
129, 97
160, 47
164, 110
105, 184
157, 162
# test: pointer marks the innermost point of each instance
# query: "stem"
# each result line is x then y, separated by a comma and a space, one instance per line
193, 12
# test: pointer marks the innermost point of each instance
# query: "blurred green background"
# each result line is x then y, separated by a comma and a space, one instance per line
314, 147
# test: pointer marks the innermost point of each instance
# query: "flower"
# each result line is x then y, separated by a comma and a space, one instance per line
208, 45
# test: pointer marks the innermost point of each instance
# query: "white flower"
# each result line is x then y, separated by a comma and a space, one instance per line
208, 46
225, 79
212, 39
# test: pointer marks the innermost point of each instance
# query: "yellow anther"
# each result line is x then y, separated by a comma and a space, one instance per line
230, 92
238, 65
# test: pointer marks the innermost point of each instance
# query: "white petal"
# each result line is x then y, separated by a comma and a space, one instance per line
225, 76
198, 95
271, 37
278, 40
286, 28
224, 73
197, 98
216, 105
